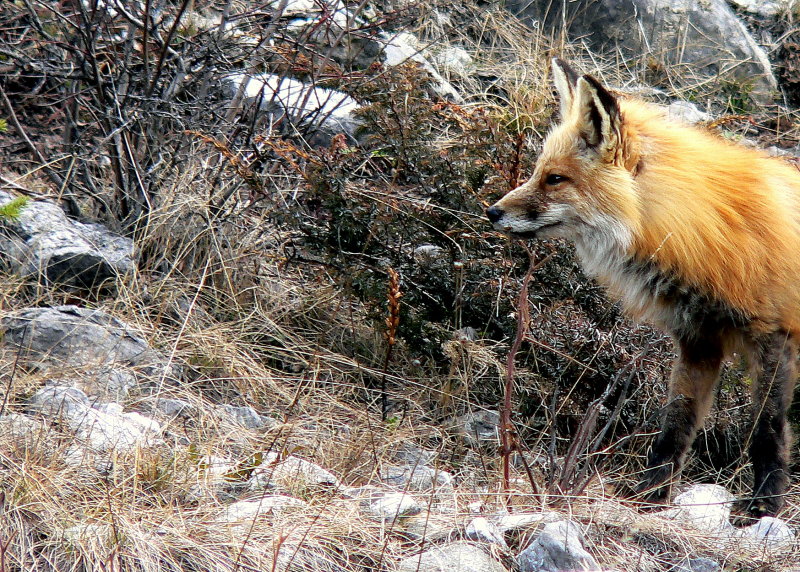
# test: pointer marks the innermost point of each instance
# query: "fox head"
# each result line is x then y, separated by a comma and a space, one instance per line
583, 186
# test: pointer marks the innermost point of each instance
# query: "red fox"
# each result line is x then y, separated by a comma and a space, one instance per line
695, 234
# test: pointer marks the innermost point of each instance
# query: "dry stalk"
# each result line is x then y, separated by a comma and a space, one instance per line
509, 440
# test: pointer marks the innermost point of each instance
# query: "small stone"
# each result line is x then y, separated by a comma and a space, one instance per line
251, 508
479, 427
697, 565
558, 548
289, 473
483, 530
419, 478
769, 532
705, 507
391, 506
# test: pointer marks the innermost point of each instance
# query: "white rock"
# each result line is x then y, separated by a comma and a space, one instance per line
392, 506
558, 548
764, 8
483, 530
704, 507
251, 508
289, 471
455, 61
768, 532
331, 110
403, 47
686, 112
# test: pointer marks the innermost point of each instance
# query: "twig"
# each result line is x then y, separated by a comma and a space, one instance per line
508, 438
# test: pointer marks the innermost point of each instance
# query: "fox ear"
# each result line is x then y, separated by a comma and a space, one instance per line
599, 119
565, 80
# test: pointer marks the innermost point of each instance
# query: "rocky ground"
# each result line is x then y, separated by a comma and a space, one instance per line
253, 319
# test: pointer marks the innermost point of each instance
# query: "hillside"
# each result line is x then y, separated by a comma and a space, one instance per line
254, 318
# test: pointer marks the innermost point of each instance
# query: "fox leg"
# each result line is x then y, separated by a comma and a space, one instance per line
775, 375
691, 393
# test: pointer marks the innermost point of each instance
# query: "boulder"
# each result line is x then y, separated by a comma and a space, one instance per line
689, 37
52, 339
45, 246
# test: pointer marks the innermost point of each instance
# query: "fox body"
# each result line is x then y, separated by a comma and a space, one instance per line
693, 233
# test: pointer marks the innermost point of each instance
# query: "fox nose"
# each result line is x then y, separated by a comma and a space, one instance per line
494, 214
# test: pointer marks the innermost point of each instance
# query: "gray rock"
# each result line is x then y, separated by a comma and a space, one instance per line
417, 478
46, 246
431, 526
703, 36
461, 556
246, 417
481, 529
102, 429
479, 427
558, 548
697, 565
55, 401
387, 506
523, 520
73, 337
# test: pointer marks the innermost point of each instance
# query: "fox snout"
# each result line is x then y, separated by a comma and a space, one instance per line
494, 214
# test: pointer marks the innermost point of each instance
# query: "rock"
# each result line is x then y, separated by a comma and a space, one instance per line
322, 112
73, 337
455, 62
291, 472
46, 246
520, 521
23, 434
390, 506
482, 530
247, 417
167, 408
55, 401
768, 532
704, 507
461, 556
417, 478
764, 8
403, 47
697, 565
558, 548
686, 112
249, 509
101, 430
430, 255
430, 526
479, 427
702, 36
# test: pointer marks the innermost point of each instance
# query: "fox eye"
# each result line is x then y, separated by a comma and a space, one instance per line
553, 179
